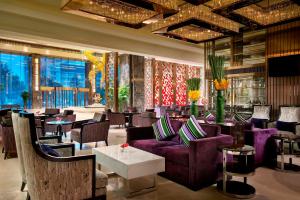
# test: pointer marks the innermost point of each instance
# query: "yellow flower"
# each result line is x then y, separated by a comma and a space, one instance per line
194, 95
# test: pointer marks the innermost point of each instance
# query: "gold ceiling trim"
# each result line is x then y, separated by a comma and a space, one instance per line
201, 12
113, 9
195, 33
169, 4
265, 17
216, 4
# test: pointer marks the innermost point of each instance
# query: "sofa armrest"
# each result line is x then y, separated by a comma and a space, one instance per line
272, 124
139, 133
204, 158
65, 150
265, 148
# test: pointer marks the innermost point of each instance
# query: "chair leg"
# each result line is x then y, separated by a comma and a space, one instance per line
5, 155
96, 144
80, 146
106, 142
2, 149
23, 186
65, 133
28, 196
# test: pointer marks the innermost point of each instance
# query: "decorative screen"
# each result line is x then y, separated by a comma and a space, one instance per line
181, 86
148, 84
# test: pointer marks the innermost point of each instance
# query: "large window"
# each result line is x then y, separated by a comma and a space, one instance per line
66, 75
58, 72
15, 77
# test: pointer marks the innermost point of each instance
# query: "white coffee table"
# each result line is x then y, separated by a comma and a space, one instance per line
130, 164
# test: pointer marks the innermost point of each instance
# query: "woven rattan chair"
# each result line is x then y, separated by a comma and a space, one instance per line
51, 177
116, 118
91, 132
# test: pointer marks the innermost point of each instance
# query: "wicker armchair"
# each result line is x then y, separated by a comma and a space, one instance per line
52, 111
116, 118
50, 128
8, 141
51, 177
68, 128
91, 132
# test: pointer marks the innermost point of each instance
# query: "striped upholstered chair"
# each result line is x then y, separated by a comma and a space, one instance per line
50, 177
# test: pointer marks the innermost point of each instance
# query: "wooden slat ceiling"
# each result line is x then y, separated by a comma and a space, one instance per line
193, 21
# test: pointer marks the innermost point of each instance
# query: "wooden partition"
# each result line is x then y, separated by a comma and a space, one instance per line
283, 40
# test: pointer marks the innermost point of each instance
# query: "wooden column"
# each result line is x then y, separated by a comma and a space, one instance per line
116, 82
130, 81
88, 66
36, 94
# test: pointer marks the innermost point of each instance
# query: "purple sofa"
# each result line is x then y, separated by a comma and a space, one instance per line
265, 146
194, 166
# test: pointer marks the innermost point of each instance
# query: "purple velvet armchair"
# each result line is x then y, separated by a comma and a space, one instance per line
265, 146
194, 166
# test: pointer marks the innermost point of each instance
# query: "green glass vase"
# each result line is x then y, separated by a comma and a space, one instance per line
194, 109
220, 107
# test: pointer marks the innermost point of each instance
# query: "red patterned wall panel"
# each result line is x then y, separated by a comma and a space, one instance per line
156, 83
193, 72
181, 86
167, 84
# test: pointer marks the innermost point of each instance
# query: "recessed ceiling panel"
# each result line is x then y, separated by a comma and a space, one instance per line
195, 33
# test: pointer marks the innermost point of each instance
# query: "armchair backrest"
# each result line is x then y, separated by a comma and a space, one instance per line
68, 112
99, 117
116, 118
75, 175
15, 118
95, 131
289, 114
71, 118
8, 139
261, 112
52, 111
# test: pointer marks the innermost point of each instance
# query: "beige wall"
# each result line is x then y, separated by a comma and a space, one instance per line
43, 22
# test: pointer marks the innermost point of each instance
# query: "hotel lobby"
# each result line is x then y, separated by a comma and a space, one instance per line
149, 99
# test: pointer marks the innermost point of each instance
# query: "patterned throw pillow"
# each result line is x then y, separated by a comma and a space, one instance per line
191, 130
162, 128
239, 118
209, 116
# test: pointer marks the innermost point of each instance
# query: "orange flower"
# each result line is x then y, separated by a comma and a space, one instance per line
221, 85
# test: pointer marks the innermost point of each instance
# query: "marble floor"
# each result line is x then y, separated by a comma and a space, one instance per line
269, 184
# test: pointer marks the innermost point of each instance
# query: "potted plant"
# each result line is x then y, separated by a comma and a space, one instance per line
25, 97
220, 83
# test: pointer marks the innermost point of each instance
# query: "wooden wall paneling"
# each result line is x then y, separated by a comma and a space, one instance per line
283, 40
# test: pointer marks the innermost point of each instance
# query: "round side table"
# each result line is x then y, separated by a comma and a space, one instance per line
243, 167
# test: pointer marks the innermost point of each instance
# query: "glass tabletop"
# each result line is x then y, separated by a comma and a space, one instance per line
238, 148
59, 122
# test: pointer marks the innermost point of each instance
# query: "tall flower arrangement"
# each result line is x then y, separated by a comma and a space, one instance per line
220, 83
194, 94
